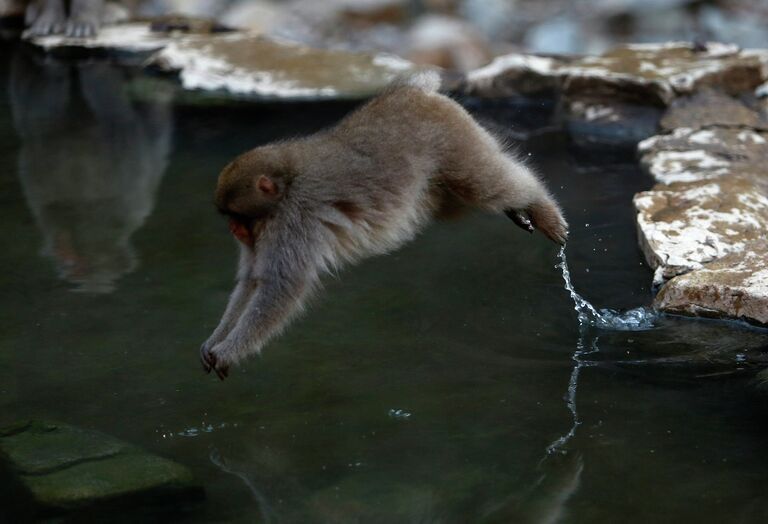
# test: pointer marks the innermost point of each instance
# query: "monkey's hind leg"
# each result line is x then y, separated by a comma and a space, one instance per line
497, 183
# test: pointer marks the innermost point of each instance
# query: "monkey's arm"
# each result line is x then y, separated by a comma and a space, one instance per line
286, 270
241, 295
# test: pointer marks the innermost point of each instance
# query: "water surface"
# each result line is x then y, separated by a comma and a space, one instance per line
423, 386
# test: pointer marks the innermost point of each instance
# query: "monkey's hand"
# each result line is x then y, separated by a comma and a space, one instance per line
211, 359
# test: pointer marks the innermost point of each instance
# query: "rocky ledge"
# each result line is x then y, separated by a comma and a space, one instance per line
53, 469
237, 64
700, 115
703, 228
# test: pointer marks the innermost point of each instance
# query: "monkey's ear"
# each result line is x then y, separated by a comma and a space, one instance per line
267, 186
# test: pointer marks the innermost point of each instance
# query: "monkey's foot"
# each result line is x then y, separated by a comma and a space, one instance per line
46, 18
544, 216
547, 218
81, 29
210, 361
519, 218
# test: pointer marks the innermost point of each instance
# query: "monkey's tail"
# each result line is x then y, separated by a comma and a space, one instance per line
427, 80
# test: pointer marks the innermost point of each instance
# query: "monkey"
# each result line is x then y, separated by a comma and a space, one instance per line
306, 206
74, 18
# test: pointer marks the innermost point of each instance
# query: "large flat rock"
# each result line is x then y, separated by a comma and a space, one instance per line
253, 66
61, 469
734, 286
649, 74
685, 225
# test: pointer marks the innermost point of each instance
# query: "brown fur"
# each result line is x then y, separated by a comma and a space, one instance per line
362, 188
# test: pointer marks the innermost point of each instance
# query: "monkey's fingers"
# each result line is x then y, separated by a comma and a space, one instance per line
519, 218
207, 359
222, 370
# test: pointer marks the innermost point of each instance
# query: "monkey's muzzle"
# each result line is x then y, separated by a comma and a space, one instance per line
242, 231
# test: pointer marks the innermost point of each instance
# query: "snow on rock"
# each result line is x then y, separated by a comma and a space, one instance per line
686, 225
689, 154
249, 65
648, 73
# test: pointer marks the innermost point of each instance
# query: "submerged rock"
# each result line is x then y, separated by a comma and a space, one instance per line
60, 469
734, 286
683, 226
248, 65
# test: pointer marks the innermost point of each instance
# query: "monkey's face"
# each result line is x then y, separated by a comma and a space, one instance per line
248, 191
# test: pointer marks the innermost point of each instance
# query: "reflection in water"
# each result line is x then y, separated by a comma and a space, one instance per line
90, 163
266, 511
545, 502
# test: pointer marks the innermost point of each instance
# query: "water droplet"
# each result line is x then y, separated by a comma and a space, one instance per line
399, 414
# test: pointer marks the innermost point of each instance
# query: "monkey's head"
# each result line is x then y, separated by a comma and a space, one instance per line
249, 190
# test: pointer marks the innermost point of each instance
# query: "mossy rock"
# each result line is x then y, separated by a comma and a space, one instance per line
58, 469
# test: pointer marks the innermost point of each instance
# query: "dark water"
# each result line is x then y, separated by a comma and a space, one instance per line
423, 386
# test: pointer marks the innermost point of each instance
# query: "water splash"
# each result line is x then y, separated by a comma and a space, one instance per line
637, 319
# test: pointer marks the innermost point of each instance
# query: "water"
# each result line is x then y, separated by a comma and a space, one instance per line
423, 386
636, 319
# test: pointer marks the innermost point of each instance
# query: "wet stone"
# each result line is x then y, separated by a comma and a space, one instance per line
60, 468
252, 66
606, 122
689, 154
735, 286
685, 225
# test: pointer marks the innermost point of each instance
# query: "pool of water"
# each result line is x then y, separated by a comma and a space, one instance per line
436, 384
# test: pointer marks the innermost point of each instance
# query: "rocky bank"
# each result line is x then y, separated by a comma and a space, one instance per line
700, 116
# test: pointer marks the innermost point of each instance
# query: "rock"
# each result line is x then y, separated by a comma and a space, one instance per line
647, 74
610, 123
61, 468
517, 74
688, 154
734, 286
368, 13
711, 108
247, 65
685, 225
